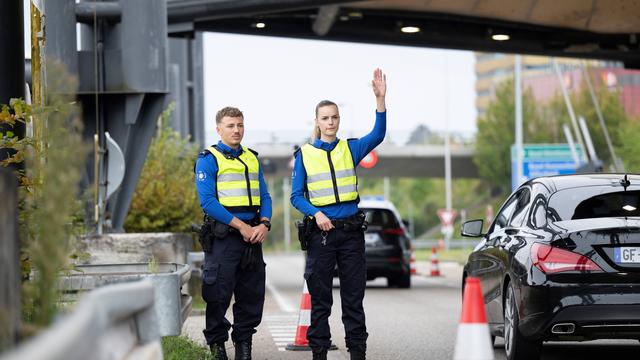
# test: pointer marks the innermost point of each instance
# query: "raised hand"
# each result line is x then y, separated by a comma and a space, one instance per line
379, 83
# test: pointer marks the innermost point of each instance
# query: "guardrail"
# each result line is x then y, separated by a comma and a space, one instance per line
453, 244
113, 322
171, 305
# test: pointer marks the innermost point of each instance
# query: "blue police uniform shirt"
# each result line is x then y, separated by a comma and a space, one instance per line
359, 149
206, 170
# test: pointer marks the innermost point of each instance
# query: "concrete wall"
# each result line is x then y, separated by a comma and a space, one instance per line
136, 248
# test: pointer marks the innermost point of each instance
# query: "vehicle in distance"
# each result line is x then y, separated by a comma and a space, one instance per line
387, 243
561, 261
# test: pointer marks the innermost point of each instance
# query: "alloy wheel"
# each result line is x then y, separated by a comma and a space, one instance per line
509, 322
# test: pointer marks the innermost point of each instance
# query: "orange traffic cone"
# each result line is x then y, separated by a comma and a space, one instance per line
474, 339
435, 268
412, 264
304, 320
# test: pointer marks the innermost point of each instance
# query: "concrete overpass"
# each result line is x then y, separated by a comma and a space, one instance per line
393, 161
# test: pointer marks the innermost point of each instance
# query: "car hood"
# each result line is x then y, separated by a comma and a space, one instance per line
570, 226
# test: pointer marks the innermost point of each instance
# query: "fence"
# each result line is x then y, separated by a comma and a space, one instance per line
113, 322
453, 244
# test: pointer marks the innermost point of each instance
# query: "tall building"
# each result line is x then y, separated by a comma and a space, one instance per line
539, 75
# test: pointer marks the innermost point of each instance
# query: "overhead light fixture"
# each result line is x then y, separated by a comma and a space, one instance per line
260, 25
500, 37
628, 207
410, 29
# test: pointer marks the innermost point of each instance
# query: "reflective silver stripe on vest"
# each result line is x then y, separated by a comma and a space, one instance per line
327, 175
237, 177
237, 192
328, 192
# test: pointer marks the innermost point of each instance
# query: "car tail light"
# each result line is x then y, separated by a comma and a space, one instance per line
394, 231
552, 260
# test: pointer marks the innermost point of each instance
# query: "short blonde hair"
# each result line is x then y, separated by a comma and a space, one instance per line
228, 111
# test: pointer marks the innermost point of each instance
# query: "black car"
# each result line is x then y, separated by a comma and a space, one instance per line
387, 243
561, 261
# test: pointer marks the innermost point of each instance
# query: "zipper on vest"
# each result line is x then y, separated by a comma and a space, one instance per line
333, 177
246, 177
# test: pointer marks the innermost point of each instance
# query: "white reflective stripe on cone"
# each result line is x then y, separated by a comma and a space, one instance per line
305, 318
473, 342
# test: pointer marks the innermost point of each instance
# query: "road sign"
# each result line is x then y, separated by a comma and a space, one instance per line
447, 216
370, 160
544, 160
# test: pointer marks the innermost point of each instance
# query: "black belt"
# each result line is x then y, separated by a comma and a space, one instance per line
351, 223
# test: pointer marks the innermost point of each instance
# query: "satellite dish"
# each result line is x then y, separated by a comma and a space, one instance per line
115, 166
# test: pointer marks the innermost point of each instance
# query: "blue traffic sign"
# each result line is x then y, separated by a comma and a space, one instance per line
544, 160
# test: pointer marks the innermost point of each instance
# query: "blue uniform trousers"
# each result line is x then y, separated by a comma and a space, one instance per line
223, 277
347, 250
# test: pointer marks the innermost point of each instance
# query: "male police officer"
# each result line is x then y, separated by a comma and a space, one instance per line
237, 209
324, 187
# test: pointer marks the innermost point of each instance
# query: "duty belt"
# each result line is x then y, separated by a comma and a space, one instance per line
351, 223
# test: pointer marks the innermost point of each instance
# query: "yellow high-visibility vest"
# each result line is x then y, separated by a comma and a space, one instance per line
237, 183
331, 175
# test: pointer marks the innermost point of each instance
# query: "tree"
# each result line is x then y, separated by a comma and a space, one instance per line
629, 149
165, 198
496, 134
612, 110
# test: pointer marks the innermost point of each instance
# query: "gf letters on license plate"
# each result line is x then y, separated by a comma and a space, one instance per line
627, 255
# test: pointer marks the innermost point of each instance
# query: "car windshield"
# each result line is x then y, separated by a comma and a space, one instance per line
380, 219
593, 202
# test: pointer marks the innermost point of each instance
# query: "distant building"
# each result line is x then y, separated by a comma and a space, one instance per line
539, 76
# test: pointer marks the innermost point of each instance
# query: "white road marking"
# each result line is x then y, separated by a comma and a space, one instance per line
282, 328
283, 303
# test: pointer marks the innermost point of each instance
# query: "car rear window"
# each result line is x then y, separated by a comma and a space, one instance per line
593, 202
380, 219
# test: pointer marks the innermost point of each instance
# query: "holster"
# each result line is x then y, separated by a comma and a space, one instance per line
305, 228
205, 235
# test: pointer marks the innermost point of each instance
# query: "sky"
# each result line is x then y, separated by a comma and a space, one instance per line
277, 82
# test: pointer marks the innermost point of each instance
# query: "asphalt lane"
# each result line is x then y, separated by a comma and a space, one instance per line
416, 323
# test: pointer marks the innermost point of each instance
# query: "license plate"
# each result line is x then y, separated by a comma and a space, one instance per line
627, 255
371, 238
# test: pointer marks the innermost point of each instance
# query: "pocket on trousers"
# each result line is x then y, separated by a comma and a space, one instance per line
308, 270
210, 274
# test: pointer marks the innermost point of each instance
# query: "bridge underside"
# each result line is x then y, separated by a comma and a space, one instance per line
598, 29
393, 161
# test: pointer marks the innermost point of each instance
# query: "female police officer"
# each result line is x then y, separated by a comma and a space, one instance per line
324, 186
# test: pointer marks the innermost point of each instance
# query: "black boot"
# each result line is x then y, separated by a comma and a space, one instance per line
358, 352
320, 354
218, 351
243, 350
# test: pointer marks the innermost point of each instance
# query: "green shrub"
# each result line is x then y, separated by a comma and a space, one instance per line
54, 156
165, 199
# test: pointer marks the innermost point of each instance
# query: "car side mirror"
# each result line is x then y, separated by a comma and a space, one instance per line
472, 228
406, 223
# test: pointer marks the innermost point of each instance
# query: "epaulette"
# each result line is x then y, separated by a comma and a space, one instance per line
253, 151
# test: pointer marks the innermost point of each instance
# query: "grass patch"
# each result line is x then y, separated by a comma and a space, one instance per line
198, 303
181, 348
458, 255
